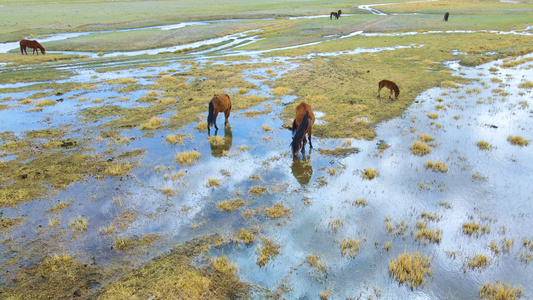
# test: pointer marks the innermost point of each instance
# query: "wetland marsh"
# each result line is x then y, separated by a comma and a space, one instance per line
111, 186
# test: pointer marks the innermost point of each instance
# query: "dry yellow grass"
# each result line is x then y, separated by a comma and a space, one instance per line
370, 174
420, 148
410, 268
484, 145
266, 252
188, 158
349, 248
230, 205
437, 166
277, 211
517, 140
152, 124
499, 291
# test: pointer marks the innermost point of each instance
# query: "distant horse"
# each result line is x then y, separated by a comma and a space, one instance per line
391, 86
335, 14
31, 44
219, 103
446, 16
302, 124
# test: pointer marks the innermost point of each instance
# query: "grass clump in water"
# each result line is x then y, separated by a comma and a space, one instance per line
176, 276
427, 235
246, 236
7, 223
482, 145
152, 124
437, 166
277, 211
79, 224
425, 137
256, 190
178, 138
478, 261
420, 148
230, 205
497, 291
266, 252
187, 158
526, 85
349, 248
215, 140
46, 102
370, 174
410, 268
517, 140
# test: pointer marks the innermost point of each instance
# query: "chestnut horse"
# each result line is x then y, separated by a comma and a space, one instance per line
219, 103
335, 14
391, 86
446, 16
302, 124
31, 44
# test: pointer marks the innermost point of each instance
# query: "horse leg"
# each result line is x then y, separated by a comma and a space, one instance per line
379, 89
226, 114
310, 144
216, 114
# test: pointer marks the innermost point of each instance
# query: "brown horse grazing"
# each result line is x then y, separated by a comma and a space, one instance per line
391, 86
446, 16
302, 124
31, 44
335, 14
218, 104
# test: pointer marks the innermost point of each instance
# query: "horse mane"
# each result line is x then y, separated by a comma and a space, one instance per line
300, 132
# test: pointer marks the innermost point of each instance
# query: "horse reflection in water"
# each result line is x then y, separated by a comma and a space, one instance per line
218, 149
302, 170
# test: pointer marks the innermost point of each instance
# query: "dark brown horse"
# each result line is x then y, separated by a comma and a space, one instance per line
219, 103
302, 125
391, 86
446, 16
31, 44
335, 14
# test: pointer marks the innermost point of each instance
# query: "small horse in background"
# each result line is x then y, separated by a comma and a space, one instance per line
31, 44
391, 86
446, 16
335, 14
302, 124
219, 103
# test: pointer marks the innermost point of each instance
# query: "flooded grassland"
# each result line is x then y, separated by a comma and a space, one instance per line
112, 186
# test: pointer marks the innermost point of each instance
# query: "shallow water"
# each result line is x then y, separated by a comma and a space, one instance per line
305, 185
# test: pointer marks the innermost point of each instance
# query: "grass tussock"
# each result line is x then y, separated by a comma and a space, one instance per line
477, 262
6, 224
410, 268
152, 124
125, 244
526, 85
349, 248
426, 235
425, 138
188, 158
246, 236
267, 251
178, 138
517, 140
230, 205
420, 148
482, 145
59, 207
79, 224
277, 211
176, 276
215, 140
280, 91
437, 166
257, 190
45, 102
498, 290
370, 174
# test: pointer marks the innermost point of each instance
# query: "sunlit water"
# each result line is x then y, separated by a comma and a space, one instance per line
317, 198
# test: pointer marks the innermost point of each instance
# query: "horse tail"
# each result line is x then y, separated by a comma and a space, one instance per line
300, 132
211, 115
